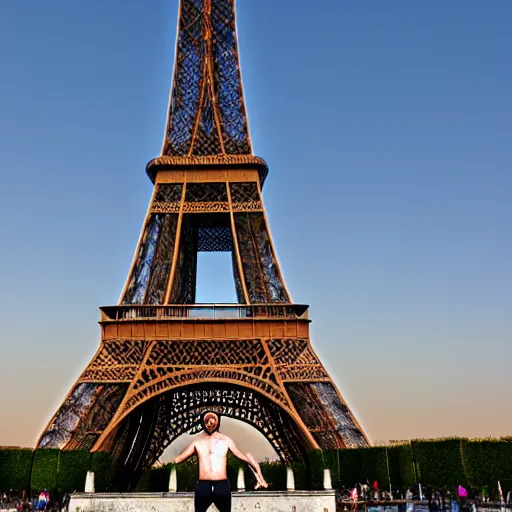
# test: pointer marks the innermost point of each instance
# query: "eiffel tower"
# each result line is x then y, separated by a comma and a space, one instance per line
163, 358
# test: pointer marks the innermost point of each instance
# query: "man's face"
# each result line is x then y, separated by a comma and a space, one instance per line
211, 421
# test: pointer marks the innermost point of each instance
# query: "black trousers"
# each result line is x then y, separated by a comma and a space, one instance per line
212, 491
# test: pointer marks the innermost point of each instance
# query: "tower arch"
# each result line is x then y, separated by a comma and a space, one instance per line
178, 411
140, 438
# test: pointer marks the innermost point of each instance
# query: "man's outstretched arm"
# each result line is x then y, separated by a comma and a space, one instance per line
188, 452
253, 464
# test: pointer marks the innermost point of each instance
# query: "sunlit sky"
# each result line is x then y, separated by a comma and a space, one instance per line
387, 127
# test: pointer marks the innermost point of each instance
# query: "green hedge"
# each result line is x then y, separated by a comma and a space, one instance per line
486, 461
45, 470
234, 465
58, 471
342, 469
302, 476
273, 472
72, 470
440, 463
187, 474
15, 464
316, 464
157, 479
102, 465
403, 473
374, 466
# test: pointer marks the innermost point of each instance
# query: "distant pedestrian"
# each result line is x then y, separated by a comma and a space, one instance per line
43, 500
433, 503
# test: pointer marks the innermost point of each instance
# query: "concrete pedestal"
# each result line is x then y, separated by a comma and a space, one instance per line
259, 501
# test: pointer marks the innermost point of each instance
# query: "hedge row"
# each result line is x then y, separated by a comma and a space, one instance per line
157, 479
52, 469
393, 464
15, 464
440, 463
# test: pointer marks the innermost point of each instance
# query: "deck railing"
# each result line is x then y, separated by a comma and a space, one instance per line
204, 311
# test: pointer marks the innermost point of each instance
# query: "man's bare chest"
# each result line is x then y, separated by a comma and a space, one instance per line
213, 448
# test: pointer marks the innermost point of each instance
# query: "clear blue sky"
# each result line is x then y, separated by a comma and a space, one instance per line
387, 128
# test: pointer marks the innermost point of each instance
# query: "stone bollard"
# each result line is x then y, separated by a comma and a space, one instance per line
290, 480
89, 482
240, 482
173, 480
327, 479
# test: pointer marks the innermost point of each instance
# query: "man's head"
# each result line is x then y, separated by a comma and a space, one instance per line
210, 421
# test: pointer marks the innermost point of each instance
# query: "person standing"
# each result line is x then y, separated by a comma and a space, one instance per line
212, 449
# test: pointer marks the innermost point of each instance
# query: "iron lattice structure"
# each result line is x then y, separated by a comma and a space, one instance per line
162, 358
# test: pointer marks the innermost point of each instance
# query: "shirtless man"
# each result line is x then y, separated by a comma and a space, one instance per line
212, 449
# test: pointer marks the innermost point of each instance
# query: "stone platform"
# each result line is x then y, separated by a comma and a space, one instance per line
259, 501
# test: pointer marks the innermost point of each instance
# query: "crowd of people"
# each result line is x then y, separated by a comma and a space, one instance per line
39, 502
429, 499
361, 496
